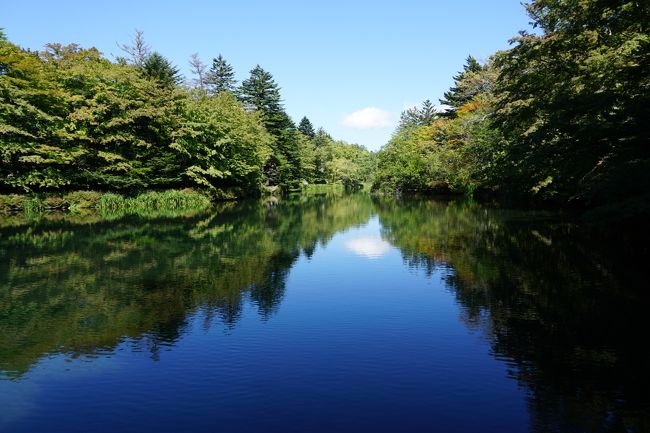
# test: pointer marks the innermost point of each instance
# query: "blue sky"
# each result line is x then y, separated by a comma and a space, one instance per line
350, 66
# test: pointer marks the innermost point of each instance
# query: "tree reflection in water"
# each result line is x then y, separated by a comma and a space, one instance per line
562, 305
77, 288
566, 307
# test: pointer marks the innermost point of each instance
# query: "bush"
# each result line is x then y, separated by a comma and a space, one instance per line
11, 202
54, 202
82, 200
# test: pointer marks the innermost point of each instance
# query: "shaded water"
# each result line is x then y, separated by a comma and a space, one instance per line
328, 314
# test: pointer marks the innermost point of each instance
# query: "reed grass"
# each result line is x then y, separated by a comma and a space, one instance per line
153, 203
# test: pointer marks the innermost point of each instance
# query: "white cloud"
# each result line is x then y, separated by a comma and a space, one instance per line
367, 118
368, 247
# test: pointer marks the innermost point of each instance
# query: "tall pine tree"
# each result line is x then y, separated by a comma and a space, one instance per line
221, 77
454, 98
306, 128
418, 116
260, 92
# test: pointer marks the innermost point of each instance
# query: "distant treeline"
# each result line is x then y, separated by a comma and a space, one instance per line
71, 119
561, 117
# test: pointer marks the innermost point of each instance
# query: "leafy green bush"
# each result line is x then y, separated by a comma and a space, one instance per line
82, 200
54, 202
11, 202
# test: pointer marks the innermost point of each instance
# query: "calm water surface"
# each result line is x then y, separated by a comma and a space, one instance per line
322, 314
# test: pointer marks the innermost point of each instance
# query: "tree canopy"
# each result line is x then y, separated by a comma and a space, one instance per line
559, 117
71, 119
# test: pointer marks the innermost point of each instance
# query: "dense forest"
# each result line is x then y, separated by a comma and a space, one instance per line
557, 118
70, 119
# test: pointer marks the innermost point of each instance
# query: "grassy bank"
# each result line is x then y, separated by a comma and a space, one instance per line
170, 201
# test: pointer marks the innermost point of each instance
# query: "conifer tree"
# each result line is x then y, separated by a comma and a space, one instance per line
157, 67
418, 116
260, 92
221, 77
306, 128
454, 98
427, 112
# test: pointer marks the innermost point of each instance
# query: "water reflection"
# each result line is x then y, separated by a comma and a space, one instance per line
75, 288
564, 307
368, 247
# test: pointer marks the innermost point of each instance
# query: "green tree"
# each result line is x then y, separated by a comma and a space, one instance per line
221, 77
306, 128
573, 103
260, 92
418, 116
119, 123
157, 67
225, 146
71, 119
455, 96
445, 154
32, 109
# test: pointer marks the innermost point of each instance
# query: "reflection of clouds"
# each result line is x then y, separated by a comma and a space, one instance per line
369, 247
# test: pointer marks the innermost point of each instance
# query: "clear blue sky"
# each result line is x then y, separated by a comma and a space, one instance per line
331, 58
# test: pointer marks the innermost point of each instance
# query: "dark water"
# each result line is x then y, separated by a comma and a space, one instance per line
322, 314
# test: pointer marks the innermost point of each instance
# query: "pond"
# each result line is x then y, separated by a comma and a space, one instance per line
322, 314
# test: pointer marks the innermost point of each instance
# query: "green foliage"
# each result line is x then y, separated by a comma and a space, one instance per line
31, 114
222, 144
260, 92
11, 202
152, 203
403, 165
444, 154
299, 156
72, 120
575, 121
327, 161
559, 118
78, 200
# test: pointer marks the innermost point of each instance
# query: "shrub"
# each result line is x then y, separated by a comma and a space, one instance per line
11, 202
82, 200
